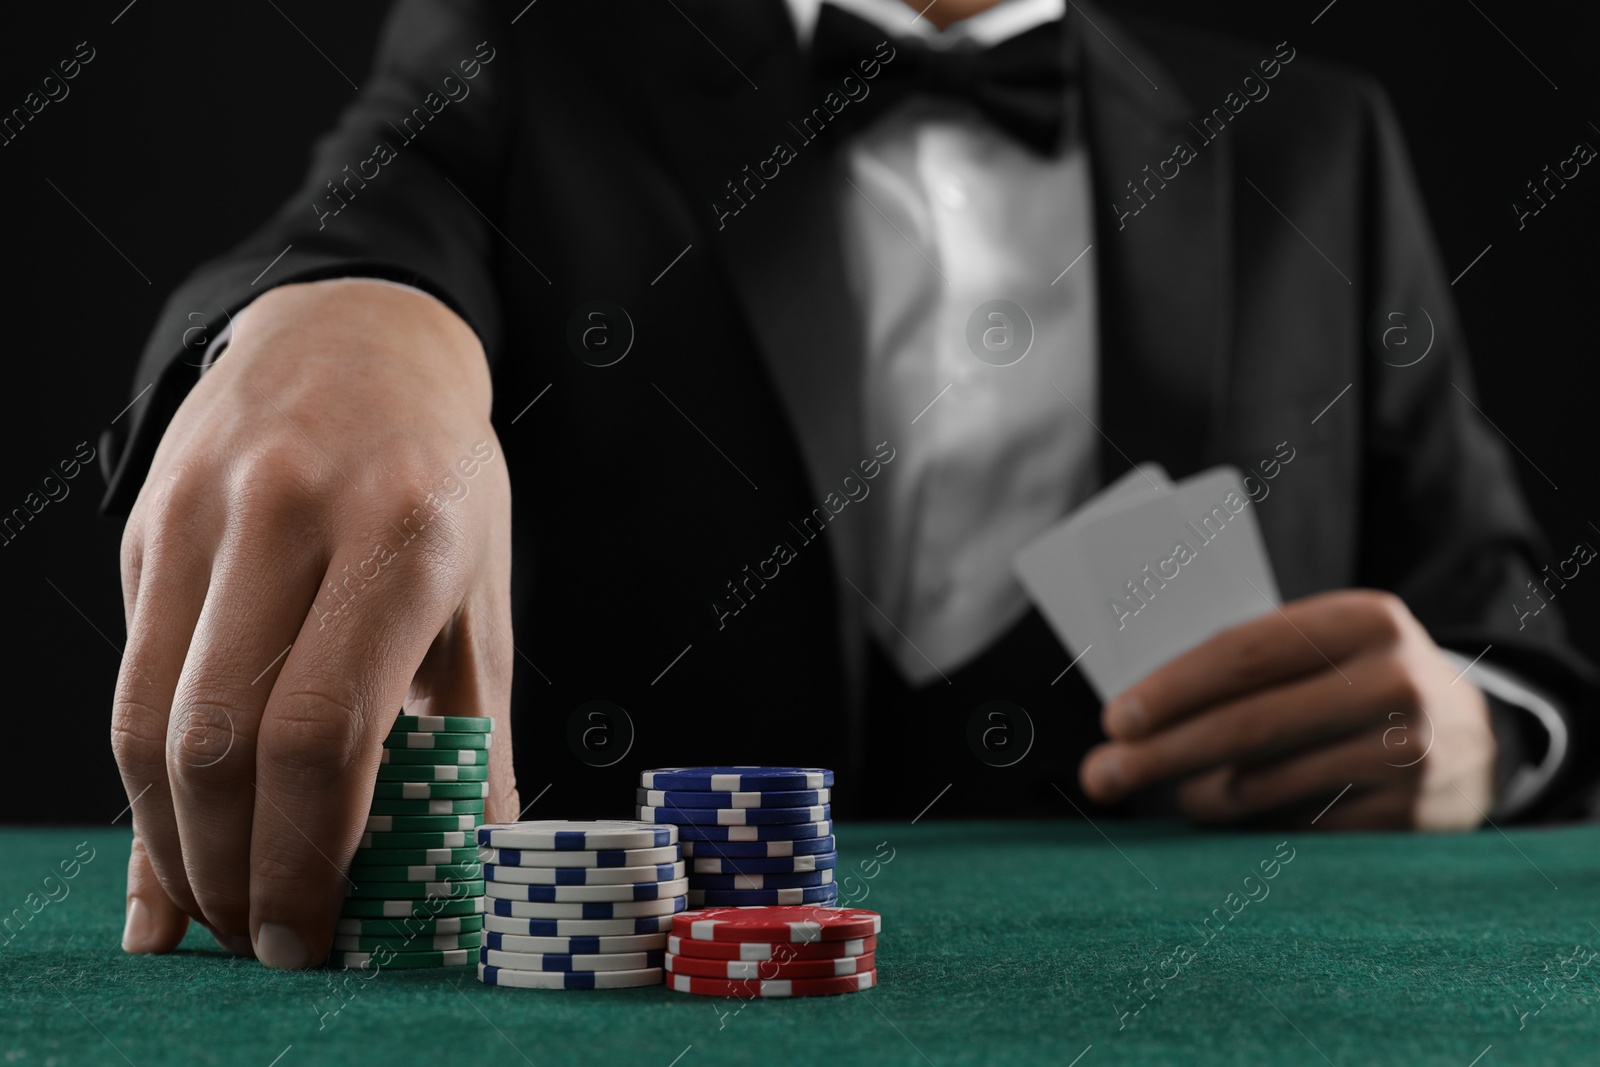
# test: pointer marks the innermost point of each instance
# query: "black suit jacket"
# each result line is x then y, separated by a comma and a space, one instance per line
595, 145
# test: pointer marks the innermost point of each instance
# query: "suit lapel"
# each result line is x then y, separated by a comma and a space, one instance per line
1166, 272
779, 242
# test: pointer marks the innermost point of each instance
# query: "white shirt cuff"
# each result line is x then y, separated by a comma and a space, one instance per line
1528, 781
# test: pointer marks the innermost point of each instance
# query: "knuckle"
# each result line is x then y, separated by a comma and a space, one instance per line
186, 495
284, 463
1386, 616
314, 735
137, 737
420, 516
1404, 684
281, 485
430, 550
204, 745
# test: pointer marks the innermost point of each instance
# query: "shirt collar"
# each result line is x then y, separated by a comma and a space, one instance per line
1005, 20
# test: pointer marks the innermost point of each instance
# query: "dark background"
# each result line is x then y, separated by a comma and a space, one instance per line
193, 121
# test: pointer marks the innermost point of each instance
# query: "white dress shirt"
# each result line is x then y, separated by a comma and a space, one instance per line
941, 213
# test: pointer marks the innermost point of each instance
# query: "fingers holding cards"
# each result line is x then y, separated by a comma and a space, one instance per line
1311, 635
1264, 724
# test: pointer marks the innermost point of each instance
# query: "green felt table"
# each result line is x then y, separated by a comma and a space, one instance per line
1003, 943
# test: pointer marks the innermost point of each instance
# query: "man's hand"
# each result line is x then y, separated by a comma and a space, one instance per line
1270, 720
324, 535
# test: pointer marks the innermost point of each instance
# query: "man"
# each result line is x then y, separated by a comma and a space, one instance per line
718, 260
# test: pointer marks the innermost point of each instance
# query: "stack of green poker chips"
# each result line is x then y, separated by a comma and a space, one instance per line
415, 892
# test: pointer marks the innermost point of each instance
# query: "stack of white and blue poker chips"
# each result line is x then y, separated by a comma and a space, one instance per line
578, 905
751, 835
414, 897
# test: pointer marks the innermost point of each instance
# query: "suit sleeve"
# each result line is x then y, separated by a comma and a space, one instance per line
394, 191
1444, 523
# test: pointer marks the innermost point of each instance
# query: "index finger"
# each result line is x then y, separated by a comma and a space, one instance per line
1302, 637
318, 751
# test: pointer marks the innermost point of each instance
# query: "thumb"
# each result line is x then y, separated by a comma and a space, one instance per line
153, 923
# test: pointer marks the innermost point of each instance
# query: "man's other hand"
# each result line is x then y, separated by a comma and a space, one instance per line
1267, 722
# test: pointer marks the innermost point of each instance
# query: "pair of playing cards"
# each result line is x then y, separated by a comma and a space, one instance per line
1147, 569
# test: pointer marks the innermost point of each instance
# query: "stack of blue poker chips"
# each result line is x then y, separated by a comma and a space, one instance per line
750, 835
578, 905
415, 889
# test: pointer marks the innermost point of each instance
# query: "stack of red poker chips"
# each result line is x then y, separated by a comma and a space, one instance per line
773, 951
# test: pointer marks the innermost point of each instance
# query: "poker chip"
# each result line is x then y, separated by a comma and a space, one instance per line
793, 831
778, 924
410, 824
767, 970
388, 806
661, 872
404, 928
410, 857
743, 898
507, 924
415, 890
736, 816
401, 943
791, 880
451, 839
432, 772
578, 905
580, 857
816, 861
736, 779
798, 987
422, 872
627, 909
491, 975
562, 835
759, 814
437, 740
566, 894
605, 961
431, 790
783, 951
756, 849
415, 895
384, 961
574, 946
437, 757
435, 724
784, 798
361, 908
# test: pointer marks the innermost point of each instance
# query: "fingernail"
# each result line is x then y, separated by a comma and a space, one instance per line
137, 927
279, 947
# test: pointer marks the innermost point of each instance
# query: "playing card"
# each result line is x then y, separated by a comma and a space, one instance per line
1135, 580
1238, 541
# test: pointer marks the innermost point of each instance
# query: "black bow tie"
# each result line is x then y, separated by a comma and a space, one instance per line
1020, 83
